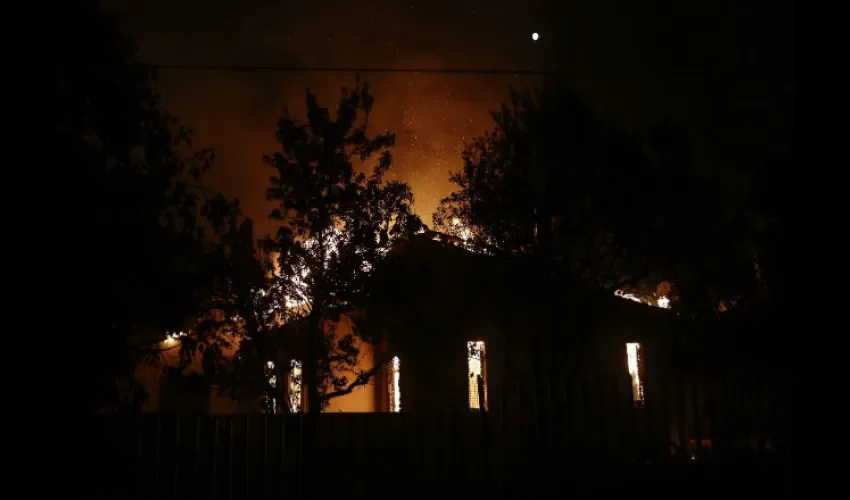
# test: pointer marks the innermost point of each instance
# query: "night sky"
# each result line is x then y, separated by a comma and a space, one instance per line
724, 69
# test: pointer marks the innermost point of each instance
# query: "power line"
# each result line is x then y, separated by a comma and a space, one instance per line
327, 69
748, 75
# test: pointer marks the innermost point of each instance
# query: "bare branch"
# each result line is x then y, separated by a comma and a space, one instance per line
629, 282
361, 380
149, 350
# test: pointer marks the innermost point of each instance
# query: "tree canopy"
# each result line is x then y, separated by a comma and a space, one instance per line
336, 224
131, 225
556, 181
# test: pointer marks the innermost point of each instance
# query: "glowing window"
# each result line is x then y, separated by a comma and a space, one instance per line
395, 390
635, 364
477, 367
271, 401
295, 399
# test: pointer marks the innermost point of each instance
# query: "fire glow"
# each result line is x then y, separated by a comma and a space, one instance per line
633, 358
272, 379
476, 356
173, 338
395, 389
662, 302
465, 233
295, 400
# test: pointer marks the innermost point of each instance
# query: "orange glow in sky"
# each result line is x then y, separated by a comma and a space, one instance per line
621, 59
432, 115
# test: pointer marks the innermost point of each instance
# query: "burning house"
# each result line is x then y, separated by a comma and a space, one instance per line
442, 351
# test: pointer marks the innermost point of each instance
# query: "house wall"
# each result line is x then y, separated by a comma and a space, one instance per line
436, 299
433, 357
363, 398
169, 394
534, 328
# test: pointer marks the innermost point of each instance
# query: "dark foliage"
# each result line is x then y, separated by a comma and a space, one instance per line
557, 182
554, 180
131, 232
336, 225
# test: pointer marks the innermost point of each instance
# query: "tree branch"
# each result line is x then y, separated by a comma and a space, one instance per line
149, 350
362, 379
629, 282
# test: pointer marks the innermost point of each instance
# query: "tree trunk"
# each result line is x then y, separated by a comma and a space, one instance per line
311, 455
311, 364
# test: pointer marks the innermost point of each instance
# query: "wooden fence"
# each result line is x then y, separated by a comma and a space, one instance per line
583, 432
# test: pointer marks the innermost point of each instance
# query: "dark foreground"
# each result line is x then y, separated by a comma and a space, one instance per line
243, 457
763, 476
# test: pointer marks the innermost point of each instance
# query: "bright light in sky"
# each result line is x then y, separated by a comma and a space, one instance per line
535, 36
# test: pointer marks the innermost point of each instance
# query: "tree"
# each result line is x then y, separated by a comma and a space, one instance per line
770, 199
237, 314
611, 209
556, 182
336, 224
702, 240
129, 225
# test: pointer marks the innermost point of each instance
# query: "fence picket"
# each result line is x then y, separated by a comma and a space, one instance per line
582, 420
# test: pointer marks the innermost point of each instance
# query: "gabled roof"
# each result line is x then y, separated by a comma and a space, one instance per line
422, 268
424, 281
